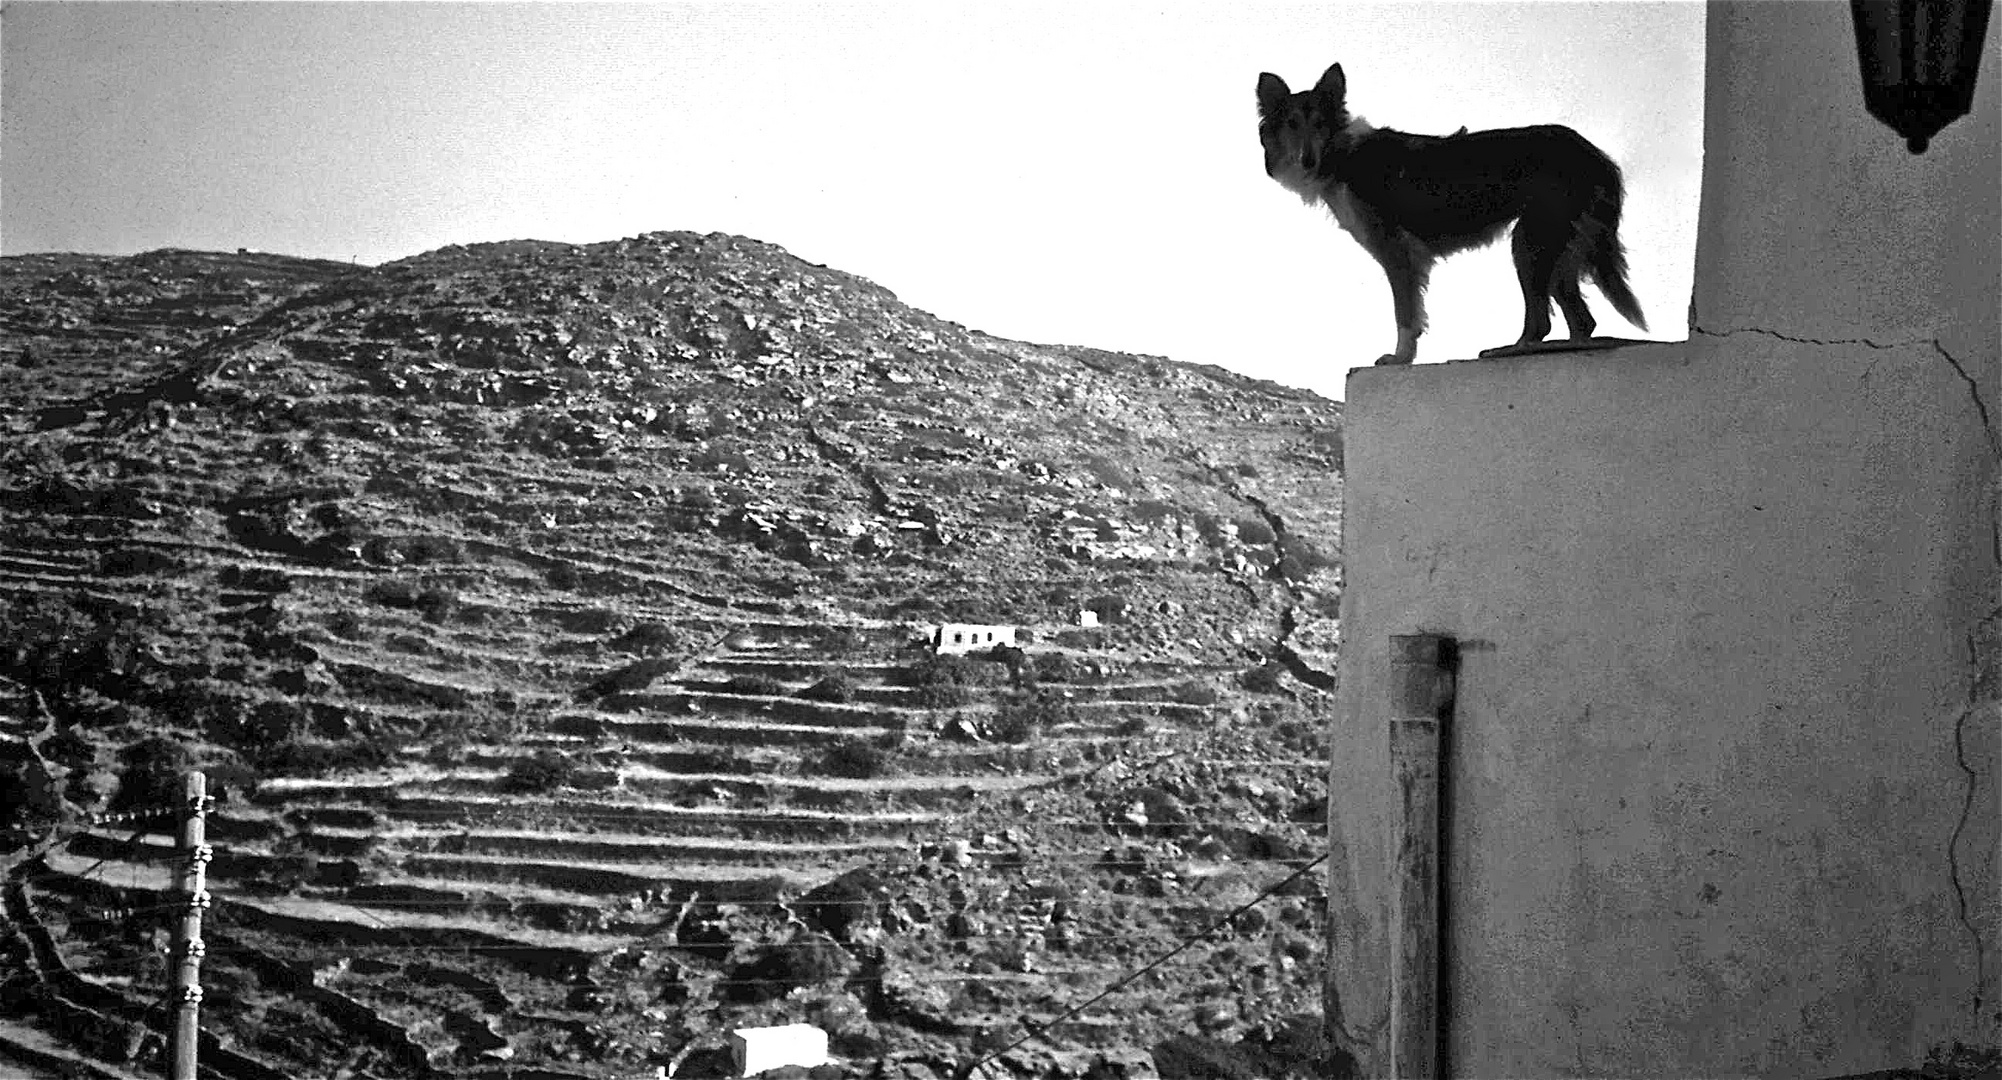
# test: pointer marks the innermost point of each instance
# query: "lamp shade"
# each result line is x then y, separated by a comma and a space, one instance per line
1920, 59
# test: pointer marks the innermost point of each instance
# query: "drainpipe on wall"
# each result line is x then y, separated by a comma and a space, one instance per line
1421, 704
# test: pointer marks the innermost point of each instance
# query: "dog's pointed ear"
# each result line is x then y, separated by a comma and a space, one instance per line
1272, 93
1333, 83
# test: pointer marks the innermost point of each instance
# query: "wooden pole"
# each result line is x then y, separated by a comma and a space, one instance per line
188, 949
1421, 699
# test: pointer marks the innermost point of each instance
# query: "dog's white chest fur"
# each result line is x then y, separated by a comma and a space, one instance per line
1314, 191
1343, 205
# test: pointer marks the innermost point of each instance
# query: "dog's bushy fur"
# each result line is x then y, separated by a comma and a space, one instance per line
1410, 200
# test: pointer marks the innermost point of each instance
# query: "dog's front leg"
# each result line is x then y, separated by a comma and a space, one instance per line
1407, 270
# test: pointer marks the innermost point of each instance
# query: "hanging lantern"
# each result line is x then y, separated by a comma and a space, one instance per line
1920, 58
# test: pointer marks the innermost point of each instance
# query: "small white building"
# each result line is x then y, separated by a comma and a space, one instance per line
970, 637
756, 1049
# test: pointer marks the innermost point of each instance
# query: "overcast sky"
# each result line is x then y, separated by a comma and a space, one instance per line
1084, 172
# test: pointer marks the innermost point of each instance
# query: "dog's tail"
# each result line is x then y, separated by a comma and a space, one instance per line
1597, 244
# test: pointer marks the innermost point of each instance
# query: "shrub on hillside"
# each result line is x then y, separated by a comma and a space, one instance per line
1054, 667
1210, 528
1110, 473
647, 637
763, 685
918, 608
807, 960
64, 645
1194, 1057
847, 903
1328, 448
435, 602
1264, 679
837, 686
562, 575
957, 671
1013, 726
346, 624
30, 797
151, 773
853, 761
1084, 640
843, 641
1253, 530
1298, 559
945, 696
1110, 607
427, 549
546, 771
135, 561
896, 731
313, 757
1292, 1049
1036, 712
590, 620
1194, 692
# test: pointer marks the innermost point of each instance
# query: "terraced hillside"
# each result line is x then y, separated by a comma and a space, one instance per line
551, 620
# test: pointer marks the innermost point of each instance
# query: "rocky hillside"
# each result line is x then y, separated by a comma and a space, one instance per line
551, 619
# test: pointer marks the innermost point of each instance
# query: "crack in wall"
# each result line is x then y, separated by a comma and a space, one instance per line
1988, 427
1983, 659
1973, 392
1973, 388
1871, 342
1981, 644
1953, 855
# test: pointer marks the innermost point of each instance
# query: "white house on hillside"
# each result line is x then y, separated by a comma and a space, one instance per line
970, 637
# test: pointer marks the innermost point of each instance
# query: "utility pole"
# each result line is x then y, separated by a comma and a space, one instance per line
188, 949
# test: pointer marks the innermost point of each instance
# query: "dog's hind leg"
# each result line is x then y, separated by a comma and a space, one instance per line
1570, 300
1536, 254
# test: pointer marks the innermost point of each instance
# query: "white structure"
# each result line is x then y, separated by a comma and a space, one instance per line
970, 637
756, 1049
1725, 756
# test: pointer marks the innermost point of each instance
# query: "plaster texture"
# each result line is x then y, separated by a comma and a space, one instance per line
1816, 222
1720, 783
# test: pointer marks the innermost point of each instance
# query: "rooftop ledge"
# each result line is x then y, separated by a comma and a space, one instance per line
1559, 345
1788, 372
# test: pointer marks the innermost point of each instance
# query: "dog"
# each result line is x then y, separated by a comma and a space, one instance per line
1411, 200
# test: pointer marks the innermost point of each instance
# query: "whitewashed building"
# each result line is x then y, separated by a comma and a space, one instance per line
970, 637
759, 1049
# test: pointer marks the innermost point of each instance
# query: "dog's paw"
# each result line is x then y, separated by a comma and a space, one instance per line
1392, 358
